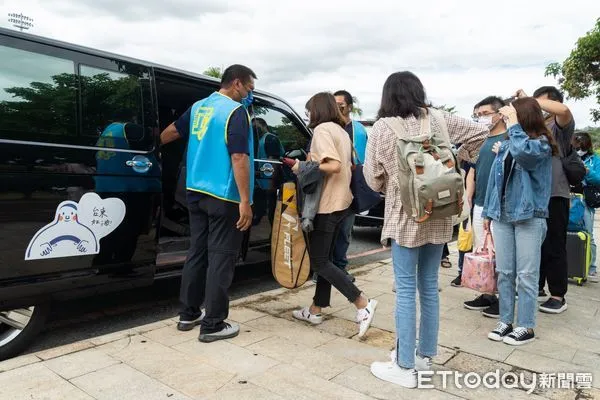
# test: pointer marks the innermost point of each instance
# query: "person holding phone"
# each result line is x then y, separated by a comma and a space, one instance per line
517, 200
332, 149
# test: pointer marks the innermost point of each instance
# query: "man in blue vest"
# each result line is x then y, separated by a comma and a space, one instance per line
220, 184
358, 135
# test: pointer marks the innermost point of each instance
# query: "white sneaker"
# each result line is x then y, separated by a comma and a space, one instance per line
364, 317
421, 363
305, 315
391, 372
593, 277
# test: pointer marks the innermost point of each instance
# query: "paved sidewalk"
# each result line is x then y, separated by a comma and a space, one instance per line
275, 357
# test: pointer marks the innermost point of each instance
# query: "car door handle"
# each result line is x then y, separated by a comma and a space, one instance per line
267, 169
138, 164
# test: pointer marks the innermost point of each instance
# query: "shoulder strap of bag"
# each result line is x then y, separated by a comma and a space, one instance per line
441, 122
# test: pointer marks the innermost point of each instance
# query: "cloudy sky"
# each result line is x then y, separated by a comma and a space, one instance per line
462, 51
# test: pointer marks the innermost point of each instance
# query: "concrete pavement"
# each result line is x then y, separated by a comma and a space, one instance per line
276, 357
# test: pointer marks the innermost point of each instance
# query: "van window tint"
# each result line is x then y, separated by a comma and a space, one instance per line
107, 97
37, 95
282, 125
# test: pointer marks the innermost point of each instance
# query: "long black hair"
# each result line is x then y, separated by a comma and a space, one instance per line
403, 96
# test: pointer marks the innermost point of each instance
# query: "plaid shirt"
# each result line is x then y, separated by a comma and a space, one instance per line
381, 170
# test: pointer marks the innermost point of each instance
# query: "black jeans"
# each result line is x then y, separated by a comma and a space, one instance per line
553, 266
342, 241
320, 248
445, 251
214, 247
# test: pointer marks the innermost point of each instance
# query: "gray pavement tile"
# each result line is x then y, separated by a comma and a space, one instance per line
227, 357
294, 383
313, 360
123, 382
37, 382
80, 363
188, 373
18, 362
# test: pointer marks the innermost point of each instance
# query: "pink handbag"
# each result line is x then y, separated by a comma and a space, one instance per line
479, 268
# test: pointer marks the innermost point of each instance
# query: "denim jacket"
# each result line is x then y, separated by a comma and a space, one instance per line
527, 192
592, 163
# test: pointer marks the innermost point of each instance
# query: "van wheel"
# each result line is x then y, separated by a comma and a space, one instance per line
19, 327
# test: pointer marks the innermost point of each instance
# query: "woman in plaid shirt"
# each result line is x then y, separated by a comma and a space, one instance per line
413, 244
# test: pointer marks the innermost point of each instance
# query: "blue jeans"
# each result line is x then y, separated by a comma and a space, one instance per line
518, 255
588, 223
416, 267
342, 242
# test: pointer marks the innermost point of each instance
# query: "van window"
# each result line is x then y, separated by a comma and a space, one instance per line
37, 95
107, 97
282, 125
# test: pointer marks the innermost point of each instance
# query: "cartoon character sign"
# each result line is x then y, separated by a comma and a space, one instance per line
77, 228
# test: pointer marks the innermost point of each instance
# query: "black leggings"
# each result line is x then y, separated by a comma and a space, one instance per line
320, 247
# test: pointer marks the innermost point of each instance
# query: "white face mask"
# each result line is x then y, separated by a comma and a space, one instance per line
486, 120
581, 153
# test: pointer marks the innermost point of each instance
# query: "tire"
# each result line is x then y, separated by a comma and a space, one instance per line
13, 340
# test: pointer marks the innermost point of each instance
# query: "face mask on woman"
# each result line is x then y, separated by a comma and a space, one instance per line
581, 153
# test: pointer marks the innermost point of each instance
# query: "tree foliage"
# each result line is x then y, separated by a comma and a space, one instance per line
443, 107
215, 72
356, 110
51, 107
579, 74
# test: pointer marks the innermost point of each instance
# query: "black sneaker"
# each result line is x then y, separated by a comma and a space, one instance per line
457, 282
542, 295
492, 311
553, 306
519, 337
480, 303
501, 330
189, 318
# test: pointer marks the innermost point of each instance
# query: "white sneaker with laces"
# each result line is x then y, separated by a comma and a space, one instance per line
305, 315
364, 317
593, 277
391, 372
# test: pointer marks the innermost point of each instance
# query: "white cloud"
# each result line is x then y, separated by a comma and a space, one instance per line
462, 51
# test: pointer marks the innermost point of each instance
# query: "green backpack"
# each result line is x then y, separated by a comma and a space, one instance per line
429, 178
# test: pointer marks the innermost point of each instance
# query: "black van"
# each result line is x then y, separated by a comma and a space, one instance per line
89, 202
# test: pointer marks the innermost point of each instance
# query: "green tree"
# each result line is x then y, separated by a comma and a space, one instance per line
51, 107
356, 110
443, 107
215, 72
579, 74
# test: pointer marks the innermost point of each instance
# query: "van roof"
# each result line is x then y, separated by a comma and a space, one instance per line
106, 54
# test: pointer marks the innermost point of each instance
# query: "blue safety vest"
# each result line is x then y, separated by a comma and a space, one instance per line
209, 167
359, 140
113, 175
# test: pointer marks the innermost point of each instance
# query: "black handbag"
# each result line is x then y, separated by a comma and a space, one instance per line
573, 167
591, 195
365, 198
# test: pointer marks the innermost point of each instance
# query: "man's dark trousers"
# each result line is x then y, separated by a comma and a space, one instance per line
214, 248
